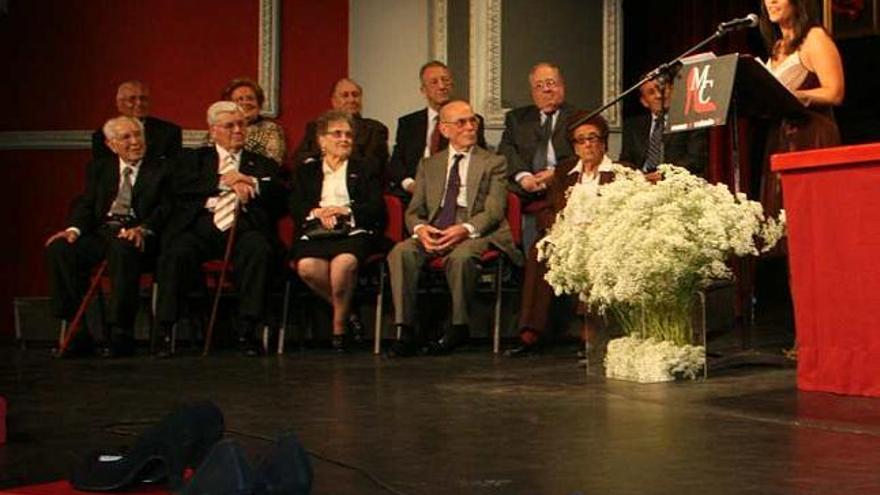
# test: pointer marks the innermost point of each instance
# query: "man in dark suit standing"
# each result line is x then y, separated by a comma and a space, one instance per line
118, 217
644, 144
418, 135
216, 188
535, 140
164, 139
371, 136
457, 211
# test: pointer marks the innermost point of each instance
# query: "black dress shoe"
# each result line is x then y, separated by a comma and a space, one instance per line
122, 345
403, 348
522, 350
82, 345
457, 336
180, 440
250, 347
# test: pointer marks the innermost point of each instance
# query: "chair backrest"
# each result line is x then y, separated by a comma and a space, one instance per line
394, 224
514, 217
286, 231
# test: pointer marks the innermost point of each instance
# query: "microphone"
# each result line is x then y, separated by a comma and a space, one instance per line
748, 21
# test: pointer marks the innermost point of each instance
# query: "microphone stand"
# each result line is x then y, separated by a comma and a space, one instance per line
665, 70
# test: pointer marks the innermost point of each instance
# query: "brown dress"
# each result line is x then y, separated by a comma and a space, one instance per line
817, 129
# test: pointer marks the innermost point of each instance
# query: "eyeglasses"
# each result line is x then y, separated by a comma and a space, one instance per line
460, 123
339, 134
589, 138
228, 126
545, 84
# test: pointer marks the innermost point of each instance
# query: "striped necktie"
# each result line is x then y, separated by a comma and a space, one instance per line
654, 156
224, 209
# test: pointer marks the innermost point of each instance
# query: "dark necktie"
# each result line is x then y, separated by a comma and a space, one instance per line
122, 204
539, 161
654, 156
446, 216
434, 143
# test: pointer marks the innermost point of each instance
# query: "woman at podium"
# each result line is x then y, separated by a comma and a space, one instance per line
804, 58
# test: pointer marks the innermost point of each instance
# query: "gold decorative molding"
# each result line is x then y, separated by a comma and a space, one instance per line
268, 54
485, 55
438, 18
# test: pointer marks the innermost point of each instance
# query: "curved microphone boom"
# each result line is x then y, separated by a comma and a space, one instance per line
748, 21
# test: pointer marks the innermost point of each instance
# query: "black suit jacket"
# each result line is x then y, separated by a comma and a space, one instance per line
688, 149
370, 144
196, 178
409, 146
364, 189
149, 200
164, 140
522, 134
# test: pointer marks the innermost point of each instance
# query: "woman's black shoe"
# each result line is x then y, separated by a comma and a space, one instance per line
339, 344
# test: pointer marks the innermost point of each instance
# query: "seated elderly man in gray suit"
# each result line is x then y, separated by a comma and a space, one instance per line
458, 210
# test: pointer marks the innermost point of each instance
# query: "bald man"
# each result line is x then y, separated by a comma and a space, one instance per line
163, 139
370, 136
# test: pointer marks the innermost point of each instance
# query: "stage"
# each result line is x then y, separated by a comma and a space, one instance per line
470, 423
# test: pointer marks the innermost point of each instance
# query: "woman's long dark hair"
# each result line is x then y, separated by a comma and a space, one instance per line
803, 21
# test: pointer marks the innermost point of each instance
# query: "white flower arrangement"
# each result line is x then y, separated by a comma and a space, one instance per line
650, 360
642, 250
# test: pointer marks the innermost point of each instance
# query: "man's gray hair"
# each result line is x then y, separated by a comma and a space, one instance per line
111, 125
219, 107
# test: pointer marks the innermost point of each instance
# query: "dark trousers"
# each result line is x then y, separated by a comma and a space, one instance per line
537, 295
70, 267
179, 267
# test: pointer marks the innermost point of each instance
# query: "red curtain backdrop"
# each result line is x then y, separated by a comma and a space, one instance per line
64, 60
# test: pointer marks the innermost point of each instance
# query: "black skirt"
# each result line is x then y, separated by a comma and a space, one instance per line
359, 245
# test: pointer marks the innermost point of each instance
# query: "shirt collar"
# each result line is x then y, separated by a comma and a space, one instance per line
606, 165
329, 171
222, 153
134, 165
432, 114
453, 152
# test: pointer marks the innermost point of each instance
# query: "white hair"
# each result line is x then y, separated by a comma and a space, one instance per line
111, 125
219, 107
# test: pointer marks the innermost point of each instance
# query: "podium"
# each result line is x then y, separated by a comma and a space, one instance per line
832, 203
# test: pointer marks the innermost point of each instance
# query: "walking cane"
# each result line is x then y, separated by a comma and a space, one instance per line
221, 280
81, 311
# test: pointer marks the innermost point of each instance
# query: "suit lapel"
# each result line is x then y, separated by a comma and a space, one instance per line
435, 173
110, 184
475, 173
351, 179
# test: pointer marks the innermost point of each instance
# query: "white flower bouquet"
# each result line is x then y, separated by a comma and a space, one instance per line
641, 251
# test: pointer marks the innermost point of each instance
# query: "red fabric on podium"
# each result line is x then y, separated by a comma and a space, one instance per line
832, 203
64, 488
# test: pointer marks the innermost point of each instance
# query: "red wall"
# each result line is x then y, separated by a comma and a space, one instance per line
67, 58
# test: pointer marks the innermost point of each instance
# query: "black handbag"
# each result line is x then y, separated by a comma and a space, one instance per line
314, 230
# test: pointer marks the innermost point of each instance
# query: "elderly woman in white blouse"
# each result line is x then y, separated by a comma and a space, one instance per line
338, 209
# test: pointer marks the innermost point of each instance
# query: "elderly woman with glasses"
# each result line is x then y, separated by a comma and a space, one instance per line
264, 136
337, 205
589, 165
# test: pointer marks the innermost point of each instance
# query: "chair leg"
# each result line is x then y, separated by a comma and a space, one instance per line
154, 295
174, 339
265, 339
285, 307
380, 299
62, 333
496, 328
